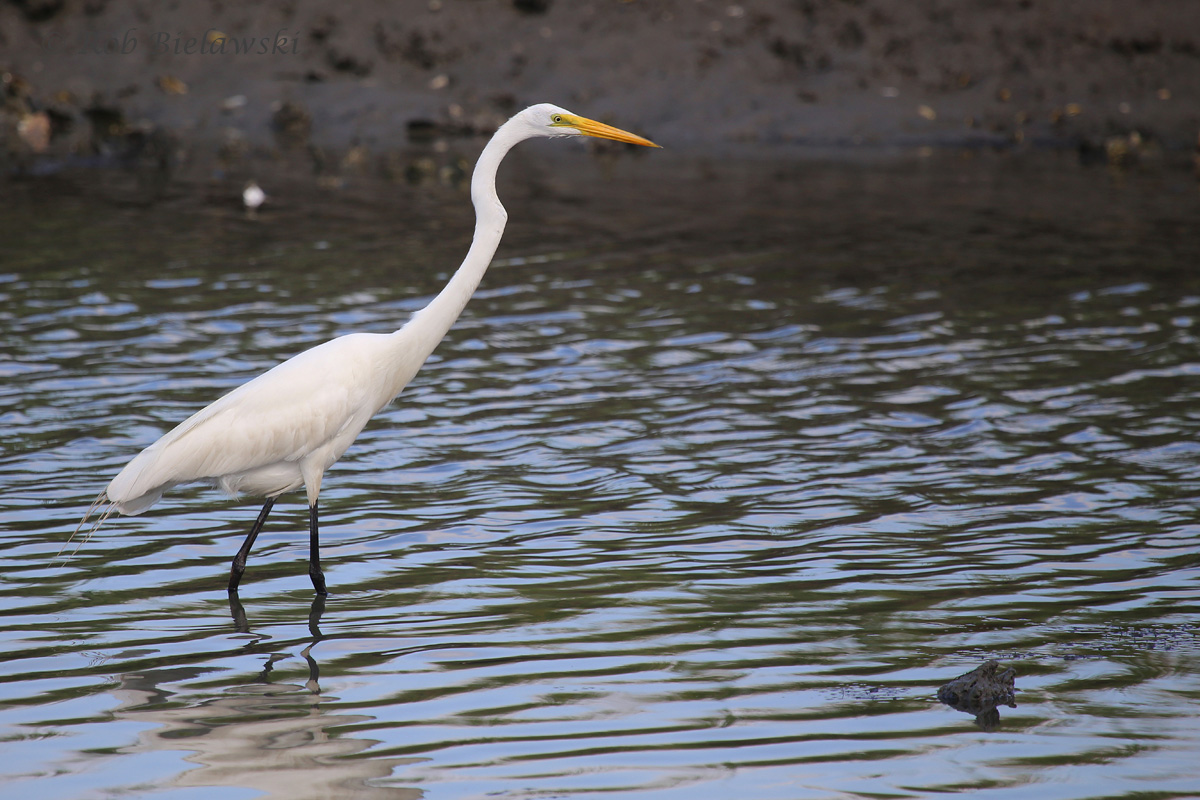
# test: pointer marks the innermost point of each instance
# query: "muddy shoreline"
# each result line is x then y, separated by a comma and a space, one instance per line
99, 82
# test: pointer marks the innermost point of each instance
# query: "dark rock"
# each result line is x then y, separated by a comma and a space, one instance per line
980, 691
39, 10
532, 6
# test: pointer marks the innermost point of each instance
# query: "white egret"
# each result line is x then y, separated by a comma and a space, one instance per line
283, 429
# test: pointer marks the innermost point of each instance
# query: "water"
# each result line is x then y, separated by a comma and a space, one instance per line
723, 472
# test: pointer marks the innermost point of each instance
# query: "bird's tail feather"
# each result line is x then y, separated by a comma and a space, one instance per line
104, 514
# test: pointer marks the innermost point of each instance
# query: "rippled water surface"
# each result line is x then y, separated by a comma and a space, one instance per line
723, 472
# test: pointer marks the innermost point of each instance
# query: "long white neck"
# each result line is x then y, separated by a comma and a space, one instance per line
431, 323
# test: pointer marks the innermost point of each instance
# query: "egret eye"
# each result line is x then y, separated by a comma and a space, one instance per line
556, 119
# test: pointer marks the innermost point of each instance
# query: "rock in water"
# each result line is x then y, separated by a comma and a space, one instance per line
980, 691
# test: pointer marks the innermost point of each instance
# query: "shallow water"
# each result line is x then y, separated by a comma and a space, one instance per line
725, 469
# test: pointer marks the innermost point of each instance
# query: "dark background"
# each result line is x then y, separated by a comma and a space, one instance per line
103, 79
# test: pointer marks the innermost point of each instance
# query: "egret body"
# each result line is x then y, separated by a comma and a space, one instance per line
283, 429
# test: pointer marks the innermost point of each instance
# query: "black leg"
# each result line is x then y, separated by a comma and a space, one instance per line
314, 553
239, 561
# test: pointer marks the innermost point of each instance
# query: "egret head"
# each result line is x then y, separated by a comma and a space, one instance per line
550, 120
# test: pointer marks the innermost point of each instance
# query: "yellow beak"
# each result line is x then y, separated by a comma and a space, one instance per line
589, 127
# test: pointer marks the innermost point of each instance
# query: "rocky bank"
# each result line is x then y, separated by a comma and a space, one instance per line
92, 79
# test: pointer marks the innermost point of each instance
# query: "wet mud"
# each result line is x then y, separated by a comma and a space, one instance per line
215, 83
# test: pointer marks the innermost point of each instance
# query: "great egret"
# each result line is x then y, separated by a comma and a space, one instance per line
284, 428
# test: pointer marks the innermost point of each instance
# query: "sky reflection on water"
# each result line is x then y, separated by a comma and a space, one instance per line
724, 471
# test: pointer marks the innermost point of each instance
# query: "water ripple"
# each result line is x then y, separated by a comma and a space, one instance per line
699, 522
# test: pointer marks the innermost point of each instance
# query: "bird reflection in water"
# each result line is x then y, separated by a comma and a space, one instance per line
276, 737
